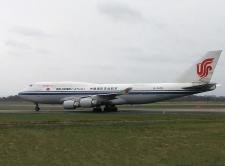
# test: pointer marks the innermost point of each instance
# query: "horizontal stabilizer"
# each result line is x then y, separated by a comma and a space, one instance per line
206, 87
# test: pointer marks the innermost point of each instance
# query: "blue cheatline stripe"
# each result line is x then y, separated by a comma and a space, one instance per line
97, 93
112, 91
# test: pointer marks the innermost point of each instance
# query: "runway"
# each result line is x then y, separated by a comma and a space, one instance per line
177, 111
141, 110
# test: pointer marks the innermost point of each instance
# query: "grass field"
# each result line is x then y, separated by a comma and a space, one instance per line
67, 138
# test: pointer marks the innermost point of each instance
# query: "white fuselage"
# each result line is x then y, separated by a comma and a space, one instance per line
141, 93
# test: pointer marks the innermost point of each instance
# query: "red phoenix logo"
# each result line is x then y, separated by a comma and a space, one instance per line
204, 67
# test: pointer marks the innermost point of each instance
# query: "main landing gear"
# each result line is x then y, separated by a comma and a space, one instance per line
97, 109
37, 108
110, 108
107, 108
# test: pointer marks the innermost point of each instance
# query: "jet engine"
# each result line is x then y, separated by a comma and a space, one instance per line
86, 102
69, 104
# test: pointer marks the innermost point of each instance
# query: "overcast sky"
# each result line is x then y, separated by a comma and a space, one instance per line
107, 41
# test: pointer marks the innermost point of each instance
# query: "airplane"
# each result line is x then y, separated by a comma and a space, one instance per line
74, 95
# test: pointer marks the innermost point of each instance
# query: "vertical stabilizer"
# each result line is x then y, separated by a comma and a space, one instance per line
202, 71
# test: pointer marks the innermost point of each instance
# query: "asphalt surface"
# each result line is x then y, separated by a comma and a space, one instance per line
163, 111
176, 110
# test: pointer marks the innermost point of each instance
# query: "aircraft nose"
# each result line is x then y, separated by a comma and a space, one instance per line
21, 94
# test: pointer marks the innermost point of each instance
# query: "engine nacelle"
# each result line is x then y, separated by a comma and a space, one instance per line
88, 102
69, 104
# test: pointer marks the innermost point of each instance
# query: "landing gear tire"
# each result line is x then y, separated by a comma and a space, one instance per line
106, 109
37, 108
115, 109
111, 108
97, 109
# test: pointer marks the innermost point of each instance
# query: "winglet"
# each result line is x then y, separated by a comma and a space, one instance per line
126, 91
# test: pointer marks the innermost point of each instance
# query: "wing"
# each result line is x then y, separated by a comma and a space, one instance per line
201, 87
111, 96
101, 97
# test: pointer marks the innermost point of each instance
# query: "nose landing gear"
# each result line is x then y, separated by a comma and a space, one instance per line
37, 108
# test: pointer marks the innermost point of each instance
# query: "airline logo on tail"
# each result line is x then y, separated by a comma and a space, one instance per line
204, 67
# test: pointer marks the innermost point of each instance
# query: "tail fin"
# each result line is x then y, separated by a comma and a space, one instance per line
202, 71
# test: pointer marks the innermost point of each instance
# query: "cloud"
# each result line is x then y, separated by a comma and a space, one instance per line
107, 41
43, 51
13, 53
17, 44
120, 12
125, 13
30, 32
102, 67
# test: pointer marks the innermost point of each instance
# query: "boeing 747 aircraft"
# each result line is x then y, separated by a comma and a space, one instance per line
73, 95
